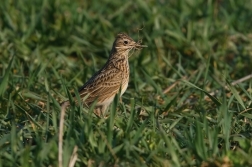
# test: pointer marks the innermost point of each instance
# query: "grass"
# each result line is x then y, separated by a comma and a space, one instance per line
168, 116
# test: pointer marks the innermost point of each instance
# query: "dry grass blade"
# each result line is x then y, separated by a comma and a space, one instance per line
243, 79
74, 157
61, 130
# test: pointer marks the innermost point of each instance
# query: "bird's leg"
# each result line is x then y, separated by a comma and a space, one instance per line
97, 111
100, 111
103, 110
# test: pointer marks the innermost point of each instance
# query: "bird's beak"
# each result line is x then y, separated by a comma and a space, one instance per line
139, 46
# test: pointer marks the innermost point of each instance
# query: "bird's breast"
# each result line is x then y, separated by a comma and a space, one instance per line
125, 78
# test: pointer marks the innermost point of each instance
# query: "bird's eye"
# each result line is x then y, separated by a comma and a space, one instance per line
125, 42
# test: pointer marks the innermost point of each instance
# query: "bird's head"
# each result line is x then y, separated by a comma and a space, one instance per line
123, 43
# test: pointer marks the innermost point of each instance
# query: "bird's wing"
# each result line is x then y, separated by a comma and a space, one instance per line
102, 86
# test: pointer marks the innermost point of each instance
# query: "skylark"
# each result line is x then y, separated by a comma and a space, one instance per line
112, 78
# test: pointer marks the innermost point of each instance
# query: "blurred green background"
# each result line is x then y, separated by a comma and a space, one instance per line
166, 118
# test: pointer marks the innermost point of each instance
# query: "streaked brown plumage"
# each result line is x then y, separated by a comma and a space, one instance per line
106, 83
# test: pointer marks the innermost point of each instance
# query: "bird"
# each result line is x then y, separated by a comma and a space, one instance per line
112, 78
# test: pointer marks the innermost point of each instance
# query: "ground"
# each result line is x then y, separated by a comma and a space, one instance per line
182, 107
